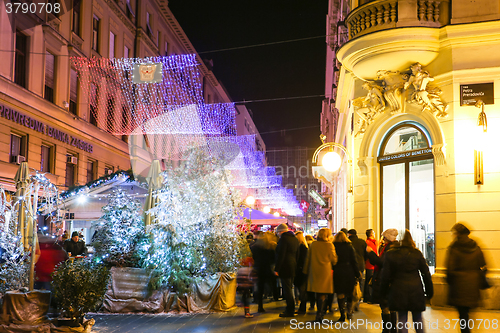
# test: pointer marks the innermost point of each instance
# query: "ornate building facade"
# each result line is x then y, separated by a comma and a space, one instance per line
410, 78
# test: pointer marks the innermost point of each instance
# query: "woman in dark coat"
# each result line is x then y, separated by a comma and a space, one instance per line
388, 240
345, 274
401, 281
464, 263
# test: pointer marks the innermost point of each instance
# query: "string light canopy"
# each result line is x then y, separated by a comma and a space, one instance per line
169, 116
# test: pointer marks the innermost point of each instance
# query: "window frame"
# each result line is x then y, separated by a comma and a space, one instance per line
96, 27
76, 18
23, 146
21, 55
50, 158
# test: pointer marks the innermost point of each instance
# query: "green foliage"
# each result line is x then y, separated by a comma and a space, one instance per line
79, 287
174, 262
119, 231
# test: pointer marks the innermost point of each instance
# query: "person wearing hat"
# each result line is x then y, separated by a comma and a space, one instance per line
464, 265
74, 246
287, 256
389, 318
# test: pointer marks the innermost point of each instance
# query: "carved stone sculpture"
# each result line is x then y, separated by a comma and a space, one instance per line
427, 96
387, 92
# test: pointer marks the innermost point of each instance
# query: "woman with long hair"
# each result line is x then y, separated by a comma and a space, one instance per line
403, 266
321, 258
300, 277
345, 274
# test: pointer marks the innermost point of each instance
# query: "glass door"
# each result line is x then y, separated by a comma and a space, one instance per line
393, 197
421, 207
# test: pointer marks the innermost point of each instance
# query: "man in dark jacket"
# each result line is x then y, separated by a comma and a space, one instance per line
75, 247
360, 249
287, 255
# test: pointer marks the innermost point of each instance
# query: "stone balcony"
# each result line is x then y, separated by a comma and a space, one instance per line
387, 14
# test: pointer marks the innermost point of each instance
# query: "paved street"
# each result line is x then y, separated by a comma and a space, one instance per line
366, 320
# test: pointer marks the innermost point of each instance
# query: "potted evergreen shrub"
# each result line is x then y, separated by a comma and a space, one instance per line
79, 288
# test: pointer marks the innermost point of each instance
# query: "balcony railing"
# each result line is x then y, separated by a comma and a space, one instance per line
386, 14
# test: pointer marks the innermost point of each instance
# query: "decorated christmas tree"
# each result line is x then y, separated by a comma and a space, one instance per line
194, 228
119, 231
14, 261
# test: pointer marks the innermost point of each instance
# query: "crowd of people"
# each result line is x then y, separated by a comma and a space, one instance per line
389, 272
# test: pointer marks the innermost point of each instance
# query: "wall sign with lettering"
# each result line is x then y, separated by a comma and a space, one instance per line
470, 93
27, 121
405, 154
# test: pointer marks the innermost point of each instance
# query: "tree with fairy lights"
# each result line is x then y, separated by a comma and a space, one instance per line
194, 230
119, 231
14, 261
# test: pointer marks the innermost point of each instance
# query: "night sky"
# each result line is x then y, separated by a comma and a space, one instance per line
266, 72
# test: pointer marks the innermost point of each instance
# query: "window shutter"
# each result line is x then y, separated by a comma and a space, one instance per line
49, 70
73, 86
111, 45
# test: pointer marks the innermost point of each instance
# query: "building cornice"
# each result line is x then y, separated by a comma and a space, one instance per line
142, 35
119, 13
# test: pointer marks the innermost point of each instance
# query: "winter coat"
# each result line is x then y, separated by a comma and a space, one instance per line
346, 271
373, 243
463, 262
50, 256
401, 279
263, 257
359, 246
321, 258
75, 248
300, 278
378, 262
287, 255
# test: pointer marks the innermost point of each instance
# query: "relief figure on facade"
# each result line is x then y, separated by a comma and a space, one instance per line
369, 106
393, 83
423, 94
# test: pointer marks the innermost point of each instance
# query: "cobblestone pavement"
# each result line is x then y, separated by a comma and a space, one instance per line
367, 320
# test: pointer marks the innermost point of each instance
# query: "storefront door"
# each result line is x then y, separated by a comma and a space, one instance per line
407, 187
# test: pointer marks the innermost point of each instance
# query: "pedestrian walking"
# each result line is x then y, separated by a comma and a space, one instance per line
245, 281
389, 318
319, 264
345, 274
301, 277
359, 246
466, 269
373, 244
311, 297
404, 270
263, 256
287, 255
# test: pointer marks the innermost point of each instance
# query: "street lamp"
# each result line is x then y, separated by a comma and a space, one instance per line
276, 214
332, 161
266, 209
481, 141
